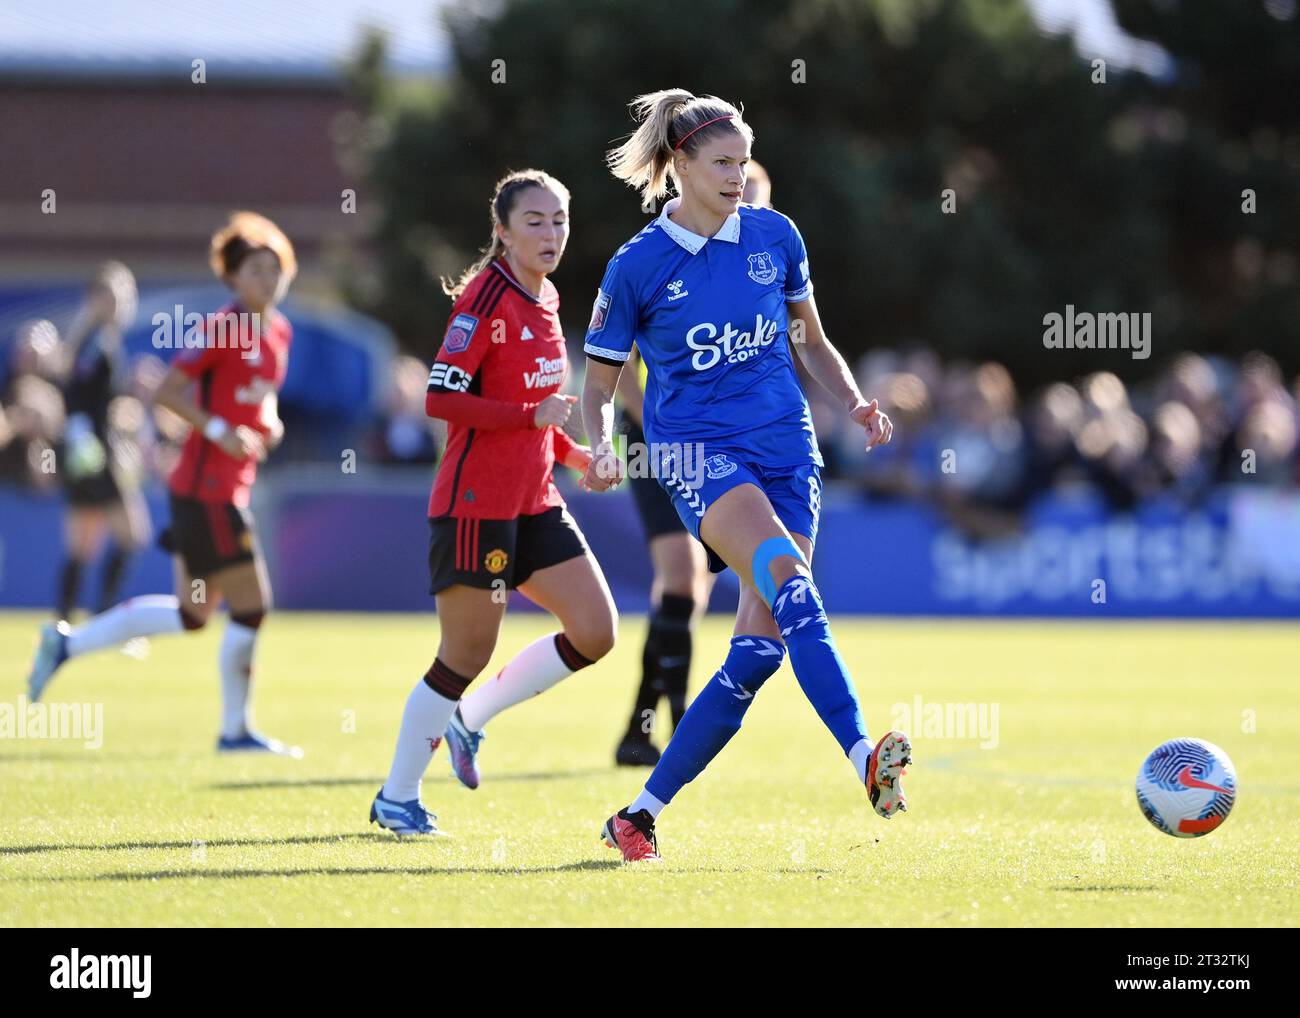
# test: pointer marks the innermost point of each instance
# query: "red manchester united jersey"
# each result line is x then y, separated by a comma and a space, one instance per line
239, 367
504, 346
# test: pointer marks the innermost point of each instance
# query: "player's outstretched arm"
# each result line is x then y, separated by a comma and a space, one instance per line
826, 365
606, 469
239, 442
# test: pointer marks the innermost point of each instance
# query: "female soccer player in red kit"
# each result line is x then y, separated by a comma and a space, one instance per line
236, 371
497, 521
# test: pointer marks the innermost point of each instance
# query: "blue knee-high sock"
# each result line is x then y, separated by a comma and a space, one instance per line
714, 716
817, 665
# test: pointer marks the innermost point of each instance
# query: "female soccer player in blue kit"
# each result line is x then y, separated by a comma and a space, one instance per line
708, 292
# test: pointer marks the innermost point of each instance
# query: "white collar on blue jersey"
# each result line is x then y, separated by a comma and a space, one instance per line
729, 231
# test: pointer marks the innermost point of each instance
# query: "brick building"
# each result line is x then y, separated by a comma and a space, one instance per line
143, 165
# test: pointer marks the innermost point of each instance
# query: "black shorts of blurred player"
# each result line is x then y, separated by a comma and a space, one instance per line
100, 505
208, 537
217, 555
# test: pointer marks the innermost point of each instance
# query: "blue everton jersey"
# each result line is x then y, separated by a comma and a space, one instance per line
709, 318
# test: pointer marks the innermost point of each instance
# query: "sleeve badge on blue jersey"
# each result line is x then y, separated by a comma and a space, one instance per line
459, 333
598, 311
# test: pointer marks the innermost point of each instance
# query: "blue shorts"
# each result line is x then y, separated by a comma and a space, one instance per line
795, 492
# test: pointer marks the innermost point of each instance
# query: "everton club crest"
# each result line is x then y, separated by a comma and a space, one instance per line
761, 268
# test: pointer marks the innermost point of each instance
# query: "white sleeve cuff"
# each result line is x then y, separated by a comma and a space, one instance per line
600, 351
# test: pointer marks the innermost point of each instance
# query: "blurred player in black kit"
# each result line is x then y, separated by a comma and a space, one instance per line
100, 475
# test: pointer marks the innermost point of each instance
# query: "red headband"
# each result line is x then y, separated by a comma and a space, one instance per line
706, 123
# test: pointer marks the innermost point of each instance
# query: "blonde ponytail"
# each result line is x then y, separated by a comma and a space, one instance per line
668, 119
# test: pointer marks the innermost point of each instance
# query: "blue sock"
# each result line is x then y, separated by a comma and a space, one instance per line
817, 665
714, 716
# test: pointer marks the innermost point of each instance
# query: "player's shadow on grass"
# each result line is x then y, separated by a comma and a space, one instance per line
1109, 887
340, 871
83, 755
586, 865
503, 779
129, 846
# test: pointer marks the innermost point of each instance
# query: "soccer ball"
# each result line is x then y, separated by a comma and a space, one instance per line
1186, 787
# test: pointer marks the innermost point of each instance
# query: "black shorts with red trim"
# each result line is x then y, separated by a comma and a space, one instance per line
209, 536
500, 554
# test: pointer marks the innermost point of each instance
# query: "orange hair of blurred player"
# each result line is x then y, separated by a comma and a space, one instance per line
245, 233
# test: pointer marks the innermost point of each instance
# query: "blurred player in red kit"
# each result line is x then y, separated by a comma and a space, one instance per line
497, 521
224, 382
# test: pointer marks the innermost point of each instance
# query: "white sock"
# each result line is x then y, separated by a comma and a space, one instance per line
236, 658
533, 670
151, 615
647, 801
423, 722
860, 756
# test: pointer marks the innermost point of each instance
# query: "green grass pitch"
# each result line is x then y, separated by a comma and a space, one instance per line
1041, 829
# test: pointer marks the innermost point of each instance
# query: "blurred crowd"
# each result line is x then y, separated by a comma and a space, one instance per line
38, 369
404, 433
33, 411
967, 441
